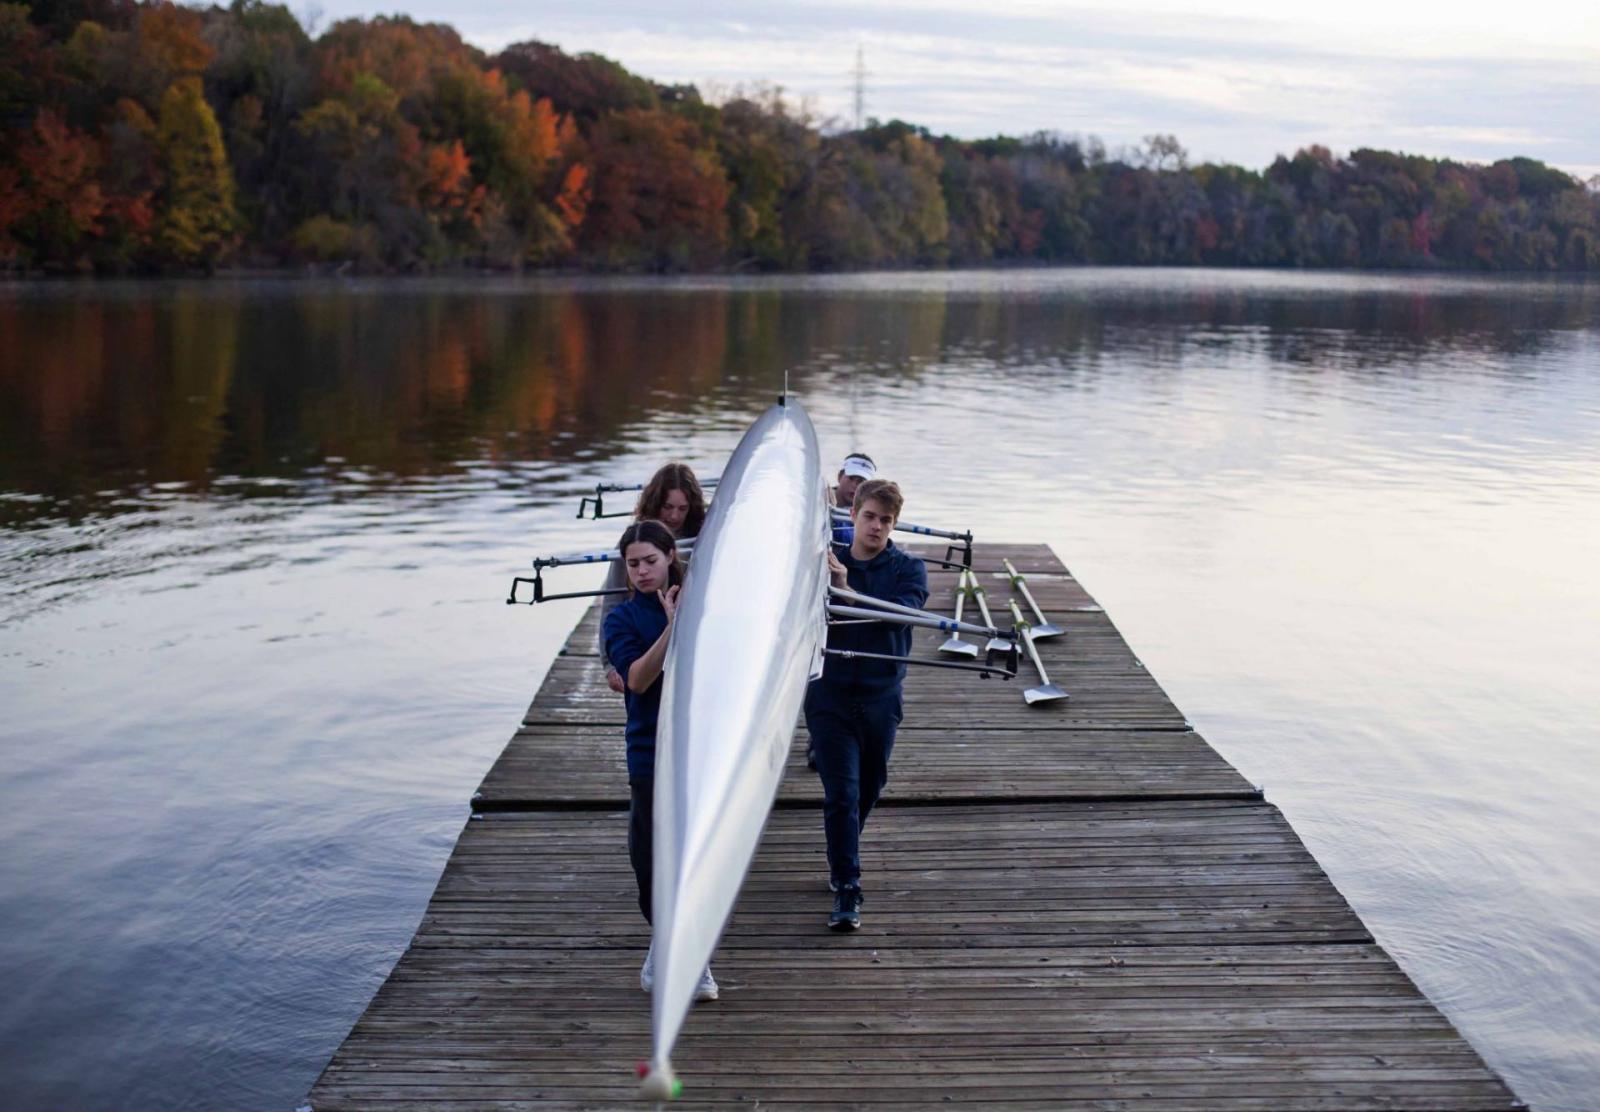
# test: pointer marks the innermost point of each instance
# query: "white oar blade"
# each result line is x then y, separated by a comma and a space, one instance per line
1040, 632
1044, 693
957, 647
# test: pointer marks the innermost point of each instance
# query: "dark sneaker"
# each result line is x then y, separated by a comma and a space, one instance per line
846, 909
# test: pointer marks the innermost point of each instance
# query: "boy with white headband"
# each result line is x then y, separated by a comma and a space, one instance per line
856, 469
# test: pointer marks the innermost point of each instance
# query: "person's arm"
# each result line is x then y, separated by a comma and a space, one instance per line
647, 669
615, 577
911, 584
624, 644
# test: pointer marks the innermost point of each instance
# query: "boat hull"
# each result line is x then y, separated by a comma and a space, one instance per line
747, 637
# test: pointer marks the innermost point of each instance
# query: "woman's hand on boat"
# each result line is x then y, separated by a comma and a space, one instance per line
669, 601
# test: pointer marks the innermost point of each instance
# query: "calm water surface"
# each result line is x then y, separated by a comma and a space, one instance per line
254, 539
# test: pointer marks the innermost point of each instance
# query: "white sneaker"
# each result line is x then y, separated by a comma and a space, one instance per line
707, 988
647, 971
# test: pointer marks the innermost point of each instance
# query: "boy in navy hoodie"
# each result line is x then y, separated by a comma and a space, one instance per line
854, 708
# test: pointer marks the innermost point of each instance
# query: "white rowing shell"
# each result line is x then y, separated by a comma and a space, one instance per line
748, 635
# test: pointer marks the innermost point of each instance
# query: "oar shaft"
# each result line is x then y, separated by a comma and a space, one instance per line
1027, 639
684, 545
961, 596
617, 488
926, 531
927, 621
842, 514
1027, 594
1020, 582
868, 600
979, 594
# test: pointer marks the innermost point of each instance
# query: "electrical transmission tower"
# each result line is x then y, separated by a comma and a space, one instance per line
861, 87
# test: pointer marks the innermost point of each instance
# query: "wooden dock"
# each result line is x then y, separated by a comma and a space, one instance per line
1077, 904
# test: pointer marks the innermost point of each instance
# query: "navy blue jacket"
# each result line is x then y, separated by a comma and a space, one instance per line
894, 576
630, 630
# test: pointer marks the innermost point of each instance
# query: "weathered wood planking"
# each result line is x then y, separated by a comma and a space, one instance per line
1081, 906
549, 765
1151, 955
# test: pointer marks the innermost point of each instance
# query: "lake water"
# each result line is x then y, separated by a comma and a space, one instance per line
255, 537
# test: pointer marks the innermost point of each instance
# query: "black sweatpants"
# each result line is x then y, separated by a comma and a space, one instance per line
641, 835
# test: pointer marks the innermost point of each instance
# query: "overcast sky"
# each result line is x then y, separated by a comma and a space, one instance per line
1245, 81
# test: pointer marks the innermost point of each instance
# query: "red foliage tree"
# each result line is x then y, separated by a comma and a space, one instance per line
658, 194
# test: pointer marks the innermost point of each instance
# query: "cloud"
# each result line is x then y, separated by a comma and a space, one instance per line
1241, 83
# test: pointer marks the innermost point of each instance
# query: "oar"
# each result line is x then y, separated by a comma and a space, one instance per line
685, 544
841, 515
603, 489
956, 645
1020, 582
995, 645
1046, 691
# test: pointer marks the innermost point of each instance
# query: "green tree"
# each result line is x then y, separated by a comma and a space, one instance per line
197, 217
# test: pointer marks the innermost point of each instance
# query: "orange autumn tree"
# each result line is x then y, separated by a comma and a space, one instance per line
476, 168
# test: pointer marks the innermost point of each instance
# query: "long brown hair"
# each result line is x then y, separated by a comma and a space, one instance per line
673, 476
656, 535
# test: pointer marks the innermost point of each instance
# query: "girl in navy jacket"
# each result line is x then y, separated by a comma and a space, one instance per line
637, 633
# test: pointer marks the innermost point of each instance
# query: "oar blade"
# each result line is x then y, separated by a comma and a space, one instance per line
957, 647
1044, 693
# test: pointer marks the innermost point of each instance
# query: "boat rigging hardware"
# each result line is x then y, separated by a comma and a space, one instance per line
539, 595
685, 547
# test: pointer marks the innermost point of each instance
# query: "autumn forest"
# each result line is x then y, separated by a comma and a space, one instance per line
157, 138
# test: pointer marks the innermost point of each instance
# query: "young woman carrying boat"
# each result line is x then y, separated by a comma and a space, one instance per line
636, 633
674, 498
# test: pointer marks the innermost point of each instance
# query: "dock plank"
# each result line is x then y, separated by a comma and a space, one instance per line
1079, 906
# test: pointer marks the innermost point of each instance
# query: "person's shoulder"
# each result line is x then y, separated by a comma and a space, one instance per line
906, 559
626, 611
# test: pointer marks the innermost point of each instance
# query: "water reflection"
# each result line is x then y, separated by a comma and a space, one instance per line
100, 396
253, 535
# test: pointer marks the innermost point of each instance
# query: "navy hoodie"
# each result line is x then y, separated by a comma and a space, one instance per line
893, 575
630, 630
